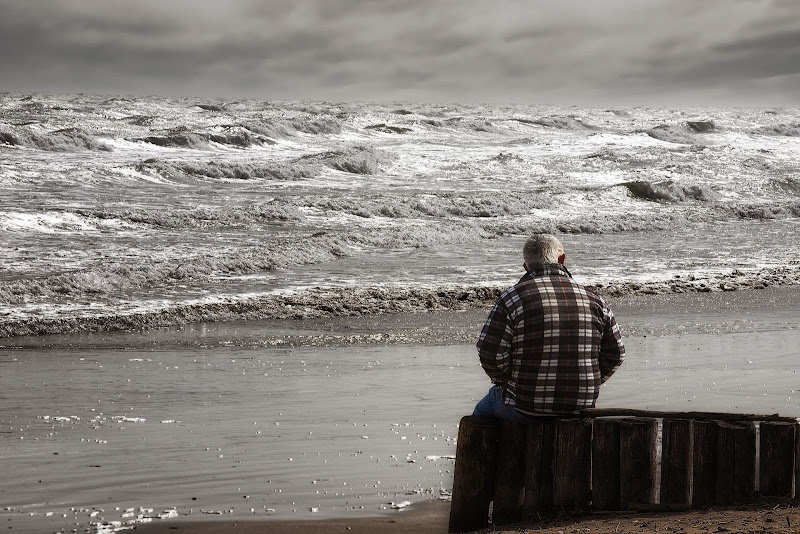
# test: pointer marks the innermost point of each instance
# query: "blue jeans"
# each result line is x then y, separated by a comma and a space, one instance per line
492, 405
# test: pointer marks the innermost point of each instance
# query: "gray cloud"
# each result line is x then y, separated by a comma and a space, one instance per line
615, 51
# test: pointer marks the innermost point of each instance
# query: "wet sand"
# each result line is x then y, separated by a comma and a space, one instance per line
768, 516
217, 424
430, 517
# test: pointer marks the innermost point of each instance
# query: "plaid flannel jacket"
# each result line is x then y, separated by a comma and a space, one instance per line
549, 343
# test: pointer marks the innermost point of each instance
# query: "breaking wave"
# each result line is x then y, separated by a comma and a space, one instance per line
442, 205
357, 160
387, 128
790, 184
701, 126
353, 302
684, 134
308, 304
228, 170
212, 107
736, 280
289, 128
560, 122
113, 277
787, 130
276, 210
781, 210
669, 191
420, 207
484, 126
66, 140
231, 136
445, 218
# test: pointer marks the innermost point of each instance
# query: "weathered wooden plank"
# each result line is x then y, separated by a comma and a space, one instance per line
572, 479
704, 470
696, 416
638, 462
509, 485
745, 489
797, 461
736, 462
605, 464
540, 450
677, 461
776, 463
473, 474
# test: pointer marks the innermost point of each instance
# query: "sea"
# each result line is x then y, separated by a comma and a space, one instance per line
121, 212
252, 309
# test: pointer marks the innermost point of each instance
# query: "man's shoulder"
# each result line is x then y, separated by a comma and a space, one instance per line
512, 293
541, 285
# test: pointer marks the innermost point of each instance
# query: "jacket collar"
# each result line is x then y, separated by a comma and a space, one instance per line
548, 269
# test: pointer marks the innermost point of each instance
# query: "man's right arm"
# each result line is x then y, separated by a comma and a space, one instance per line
494, 344
612, 351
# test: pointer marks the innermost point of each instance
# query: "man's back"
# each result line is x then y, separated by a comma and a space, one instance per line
549, 343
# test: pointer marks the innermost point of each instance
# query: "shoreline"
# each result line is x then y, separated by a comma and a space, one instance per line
638, 315
348, 303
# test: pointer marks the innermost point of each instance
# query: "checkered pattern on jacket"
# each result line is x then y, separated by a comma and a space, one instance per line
549, 342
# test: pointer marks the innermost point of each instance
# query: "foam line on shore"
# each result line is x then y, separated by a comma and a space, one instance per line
357, 302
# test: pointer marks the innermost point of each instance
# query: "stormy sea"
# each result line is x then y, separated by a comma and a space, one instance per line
266, 308
133, 212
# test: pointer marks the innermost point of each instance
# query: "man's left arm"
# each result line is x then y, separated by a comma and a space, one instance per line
612, 350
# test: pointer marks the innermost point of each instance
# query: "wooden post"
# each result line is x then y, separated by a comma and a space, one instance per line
704, 472
605, 464
677, 457
776, 465
736, 462
509, 485
745, 488
539, 458
797, 461
473, 474
572, 481
638, 462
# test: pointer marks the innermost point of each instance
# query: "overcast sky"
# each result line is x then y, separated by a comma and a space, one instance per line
669, 52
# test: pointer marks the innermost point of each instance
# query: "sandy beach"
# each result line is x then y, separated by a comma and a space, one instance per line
164, 429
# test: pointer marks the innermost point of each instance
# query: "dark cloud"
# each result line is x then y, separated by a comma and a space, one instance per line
753, 60
615, 51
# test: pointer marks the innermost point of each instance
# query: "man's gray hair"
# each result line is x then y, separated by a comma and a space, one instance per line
540, 249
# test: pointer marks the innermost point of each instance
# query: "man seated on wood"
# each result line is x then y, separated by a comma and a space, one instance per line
548, 343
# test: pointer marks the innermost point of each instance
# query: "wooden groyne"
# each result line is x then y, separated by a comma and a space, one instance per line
608, 459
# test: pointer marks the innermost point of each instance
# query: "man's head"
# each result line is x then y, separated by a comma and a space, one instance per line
540, 249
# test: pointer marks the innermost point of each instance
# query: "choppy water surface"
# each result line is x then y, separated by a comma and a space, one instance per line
123, 212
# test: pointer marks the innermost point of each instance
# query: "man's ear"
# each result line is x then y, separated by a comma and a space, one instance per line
562, 259
525, 266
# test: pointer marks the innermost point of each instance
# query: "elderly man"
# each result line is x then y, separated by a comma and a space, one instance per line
548, 343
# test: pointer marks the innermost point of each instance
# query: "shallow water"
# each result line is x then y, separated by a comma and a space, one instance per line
115, 423
342, 430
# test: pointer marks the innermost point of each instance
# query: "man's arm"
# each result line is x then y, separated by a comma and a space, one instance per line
612, 351
494, 344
